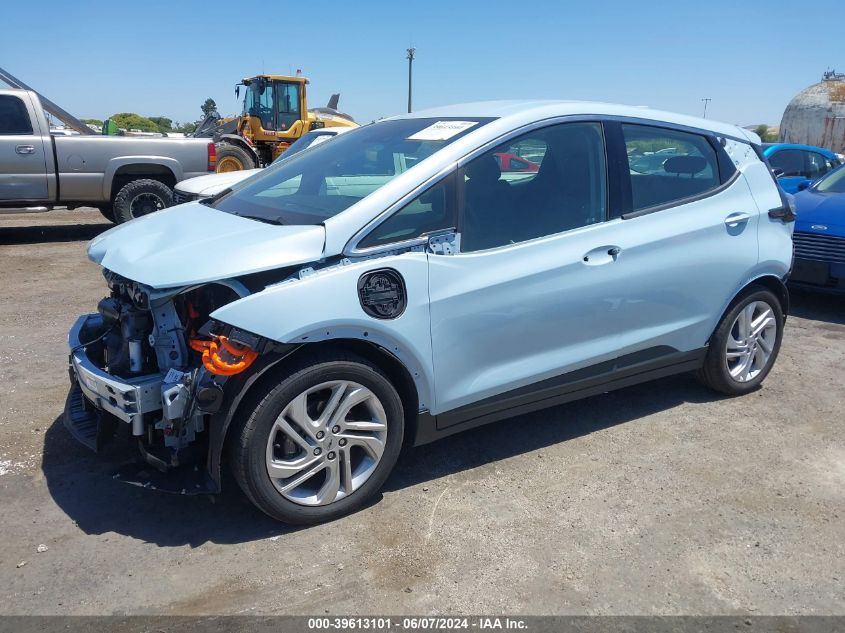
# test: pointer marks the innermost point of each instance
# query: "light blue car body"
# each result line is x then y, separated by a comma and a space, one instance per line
484, 323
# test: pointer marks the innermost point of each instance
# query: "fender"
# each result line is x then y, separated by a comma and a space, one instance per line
173, 165
767, 277
334, 312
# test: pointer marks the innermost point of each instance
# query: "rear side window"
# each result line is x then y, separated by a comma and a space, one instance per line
13, 116
790, 161
667, 165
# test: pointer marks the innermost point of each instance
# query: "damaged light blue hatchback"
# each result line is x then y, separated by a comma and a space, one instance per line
401, 284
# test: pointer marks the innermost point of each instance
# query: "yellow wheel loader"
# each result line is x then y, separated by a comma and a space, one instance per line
275, 114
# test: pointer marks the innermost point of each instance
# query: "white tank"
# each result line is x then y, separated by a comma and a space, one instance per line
816, 116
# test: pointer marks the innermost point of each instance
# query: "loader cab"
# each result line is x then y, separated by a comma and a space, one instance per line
273, 106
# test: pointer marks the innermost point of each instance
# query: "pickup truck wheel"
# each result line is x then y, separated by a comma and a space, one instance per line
141, 197
745, 345
321, 442
233, 158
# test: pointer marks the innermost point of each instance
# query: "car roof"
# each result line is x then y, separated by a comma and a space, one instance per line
768, 148
534, 110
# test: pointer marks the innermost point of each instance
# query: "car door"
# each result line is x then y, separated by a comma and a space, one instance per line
532, 290
23, 167
688, 243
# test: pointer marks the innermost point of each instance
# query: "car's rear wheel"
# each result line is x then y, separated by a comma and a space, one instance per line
745, 344
319, 443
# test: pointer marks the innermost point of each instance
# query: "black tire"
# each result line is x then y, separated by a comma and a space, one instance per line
249, 437
715, 373
230, 157
141, 197
108, 212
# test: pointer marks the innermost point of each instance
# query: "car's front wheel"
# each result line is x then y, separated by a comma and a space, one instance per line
746, 343
319, 443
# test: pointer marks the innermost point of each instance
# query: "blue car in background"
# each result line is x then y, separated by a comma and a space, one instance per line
819, 235
800, 164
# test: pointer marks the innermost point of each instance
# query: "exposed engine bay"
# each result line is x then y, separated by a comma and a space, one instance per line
155, 360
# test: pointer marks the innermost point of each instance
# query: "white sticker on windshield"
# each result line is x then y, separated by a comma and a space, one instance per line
442, 130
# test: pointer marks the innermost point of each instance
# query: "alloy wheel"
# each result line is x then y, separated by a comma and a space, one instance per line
751, 341
326, 443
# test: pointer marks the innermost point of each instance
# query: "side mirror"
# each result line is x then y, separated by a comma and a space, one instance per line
804, 184
237, 92
778, 173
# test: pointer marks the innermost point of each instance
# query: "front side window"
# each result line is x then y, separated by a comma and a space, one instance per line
317, 184
668, 165
13, 116
429, 212
567, 190
790, 161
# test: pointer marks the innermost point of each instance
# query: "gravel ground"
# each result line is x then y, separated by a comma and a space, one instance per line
657, 499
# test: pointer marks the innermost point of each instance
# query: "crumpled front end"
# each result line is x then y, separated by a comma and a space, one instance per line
148, 369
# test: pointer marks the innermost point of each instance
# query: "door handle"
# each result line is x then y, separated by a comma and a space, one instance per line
735, 219
25, 149
602, 255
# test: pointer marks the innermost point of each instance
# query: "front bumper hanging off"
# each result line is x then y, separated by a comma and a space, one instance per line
98, 402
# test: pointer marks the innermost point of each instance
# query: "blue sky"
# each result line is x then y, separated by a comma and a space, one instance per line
164, 58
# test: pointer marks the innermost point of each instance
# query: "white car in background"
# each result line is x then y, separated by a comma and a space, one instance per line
208, 186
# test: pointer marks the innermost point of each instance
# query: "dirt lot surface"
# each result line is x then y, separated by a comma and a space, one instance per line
658, 499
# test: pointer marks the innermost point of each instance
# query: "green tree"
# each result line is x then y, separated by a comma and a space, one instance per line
96, 122
164, 124
763, 132
187, 128
132, 121
208, 106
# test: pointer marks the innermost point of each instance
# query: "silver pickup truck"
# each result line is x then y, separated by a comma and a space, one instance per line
124, 177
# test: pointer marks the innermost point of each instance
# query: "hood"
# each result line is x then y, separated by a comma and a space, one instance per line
193, 243
207, 186
820, 209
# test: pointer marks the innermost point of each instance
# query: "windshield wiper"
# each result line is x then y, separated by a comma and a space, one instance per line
210, 201
260, 218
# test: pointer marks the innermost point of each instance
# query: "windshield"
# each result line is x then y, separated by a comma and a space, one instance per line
834, 182
312, 139
328, 179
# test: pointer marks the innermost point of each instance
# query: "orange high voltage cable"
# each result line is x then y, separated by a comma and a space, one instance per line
240, 356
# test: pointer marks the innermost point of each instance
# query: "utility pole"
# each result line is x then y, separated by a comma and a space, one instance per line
411, 52
706, 100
